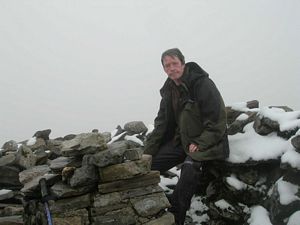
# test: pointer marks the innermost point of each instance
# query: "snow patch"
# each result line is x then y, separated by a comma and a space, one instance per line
259, 216
243, 116
234, 182
134, 139
286, 120
292, 158
250, 145
31, 141
222, 204
287, 192
294, 218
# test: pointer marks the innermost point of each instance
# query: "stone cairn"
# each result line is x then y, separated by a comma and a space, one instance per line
103, 178
259, 180
91, 180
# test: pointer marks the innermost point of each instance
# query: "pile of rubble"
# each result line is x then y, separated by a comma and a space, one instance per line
89, 181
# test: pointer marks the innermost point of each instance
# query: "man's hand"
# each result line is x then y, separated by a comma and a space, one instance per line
193, 148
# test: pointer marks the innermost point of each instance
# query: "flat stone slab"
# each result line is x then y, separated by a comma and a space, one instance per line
6, 194
85, 143
153, 177
150, 205
166, 219
27, 175
12, 220
126, 170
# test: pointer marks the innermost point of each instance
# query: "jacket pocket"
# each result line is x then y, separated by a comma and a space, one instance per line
190, 120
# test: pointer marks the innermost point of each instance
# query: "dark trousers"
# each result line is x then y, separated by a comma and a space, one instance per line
168, 157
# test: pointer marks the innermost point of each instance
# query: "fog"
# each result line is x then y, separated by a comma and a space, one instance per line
77, 65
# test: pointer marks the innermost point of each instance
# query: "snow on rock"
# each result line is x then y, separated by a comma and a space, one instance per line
286, 120
150, 128
115, 138
198, 210
222, 204
134, 139
252, 146
243, 116
259, 216
292, 158
294, 218
31, 141
242, 106
234, 182
287, 192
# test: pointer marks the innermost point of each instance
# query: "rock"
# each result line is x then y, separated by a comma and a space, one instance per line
119, 131
116, 153
10, 146
133, 154
62, 190
27, 175
135, 182
43, 134
166, 219
135, 127
262, 128
41, 157
58, 164
113, 155
11, 220
296, 143
126, 170
8, 159
281, 208
72, 217
69, 137
70, 204
107, 136
114, 219
237, 126
223, 209
292, 176
54, 146
25, 157
285, 108
32, 187
11, 210
86, 175
37, 144
150, 205
9, 177
6, 194
85, 143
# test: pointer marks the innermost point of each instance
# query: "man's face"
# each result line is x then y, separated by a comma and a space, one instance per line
173, 67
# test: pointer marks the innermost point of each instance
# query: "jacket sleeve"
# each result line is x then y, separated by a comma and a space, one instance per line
213, 113
160, 125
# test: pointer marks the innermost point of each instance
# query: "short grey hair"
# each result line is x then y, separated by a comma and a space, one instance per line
173, 52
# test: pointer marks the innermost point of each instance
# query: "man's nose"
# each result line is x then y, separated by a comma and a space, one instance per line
172, 68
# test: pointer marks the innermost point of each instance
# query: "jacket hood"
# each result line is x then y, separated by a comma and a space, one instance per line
192, 72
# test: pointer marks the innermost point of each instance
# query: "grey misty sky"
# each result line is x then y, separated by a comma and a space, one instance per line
77, 65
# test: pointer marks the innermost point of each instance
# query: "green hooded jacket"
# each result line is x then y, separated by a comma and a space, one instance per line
201, 119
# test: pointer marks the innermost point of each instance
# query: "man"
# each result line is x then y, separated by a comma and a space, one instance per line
190, 127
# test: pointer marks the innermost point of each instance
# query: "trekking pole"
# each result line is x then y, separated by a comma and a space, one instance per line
44, 193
